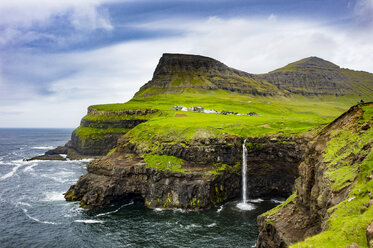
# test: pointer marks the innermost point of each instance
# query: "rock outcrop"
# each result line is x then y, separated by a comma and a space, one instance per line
334, 184
117, 179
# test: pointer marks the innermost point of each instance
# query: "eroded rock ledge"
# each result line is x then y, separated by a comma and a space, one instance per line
115, 179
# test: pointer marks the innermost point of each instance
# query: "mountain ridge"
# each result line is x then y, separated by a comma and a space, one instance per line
310, 76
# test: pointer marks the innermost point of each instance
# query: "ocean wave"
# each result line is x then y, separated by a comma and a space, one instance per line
43, 147
37, 220
90, 221
211, 225
30, 168
187, 227
61, 176
114, 211
12, 172
180, 210
23, 204
54, 196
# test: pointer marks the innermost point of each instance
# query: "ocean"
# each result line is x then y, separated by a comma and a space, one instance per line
34, 213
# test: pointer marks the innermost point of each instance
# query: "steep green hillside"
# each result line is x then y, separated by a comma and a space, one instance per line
332, 205
288, 101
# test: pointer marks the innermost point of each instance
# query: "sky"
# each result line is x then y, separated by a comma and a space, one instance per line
59, 57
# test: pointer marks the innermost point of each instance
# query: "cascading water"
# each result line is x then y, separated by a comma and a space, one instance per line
244, 205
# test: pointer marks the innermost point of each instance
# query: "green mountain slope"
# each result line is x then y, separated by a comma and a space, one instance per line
177, 72
315, 76
288, 101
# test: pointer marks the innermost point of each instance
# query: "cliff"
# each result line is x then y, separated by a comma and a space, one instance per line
332, 203
195, 175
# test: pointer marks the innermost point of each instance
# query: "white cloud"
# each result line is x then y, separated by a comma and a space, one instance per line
83, 13
115, 73
364, 12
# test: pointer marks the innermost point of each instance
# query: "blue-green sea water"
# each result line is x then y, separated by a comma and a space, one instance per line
33, 212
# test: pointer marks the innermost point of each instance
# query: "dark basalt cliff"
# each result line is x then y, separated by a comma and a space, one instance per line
117, 179
334, 183
123, 175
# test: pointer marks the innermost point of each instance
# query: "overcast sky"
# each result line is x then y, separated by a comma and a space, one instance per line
59, 57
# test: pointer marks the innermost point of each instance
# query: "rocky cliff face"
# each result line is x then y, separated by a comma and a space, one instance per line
210, 173
117, 179
273, 165
333, 194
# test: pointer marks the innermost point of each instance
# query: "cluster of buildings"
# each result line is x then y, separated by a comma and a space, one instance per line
199, 109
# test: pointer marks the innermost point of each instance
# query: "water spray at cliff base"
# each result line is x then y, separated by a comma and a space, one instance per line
243, 205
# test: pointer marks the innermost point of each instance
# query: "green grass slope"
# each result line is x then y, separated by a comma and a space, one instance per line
288, 102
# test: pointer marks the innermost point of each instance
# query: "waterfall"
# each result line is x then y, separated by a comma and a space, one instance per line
244, 168
243, 205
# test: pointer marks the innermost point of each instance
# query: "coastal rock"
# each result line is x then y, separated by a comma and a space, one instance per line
47, 157
115, 179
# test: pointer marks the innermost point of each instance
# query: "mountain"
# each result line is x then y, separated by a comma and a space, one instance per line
310, 76
177, 72
315, 76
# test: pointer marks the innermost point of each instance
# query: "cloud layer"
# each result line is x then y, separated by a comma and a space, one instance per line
44, 89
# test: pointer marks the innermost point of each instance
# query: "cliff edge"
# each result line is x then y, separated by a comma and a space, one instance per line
332, 203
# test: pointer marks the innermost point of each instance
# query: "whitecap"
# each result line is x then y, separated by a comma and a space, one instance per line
63, 155
158, 209
30, 168
23, 204
245, 206
90, 221
180, 210
54, 196
114, 211
192, 226
12, 172
220, 209
43, 147
60, 177
37, 220
211, 225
